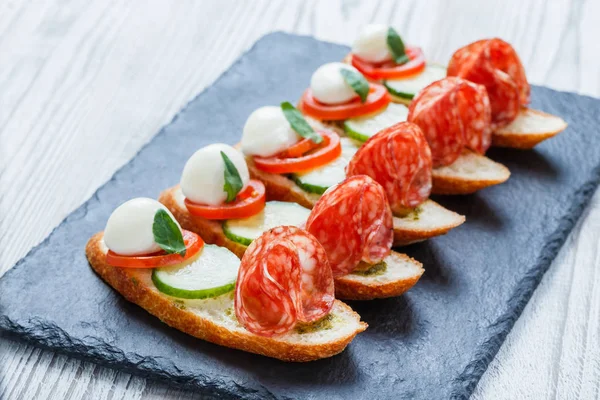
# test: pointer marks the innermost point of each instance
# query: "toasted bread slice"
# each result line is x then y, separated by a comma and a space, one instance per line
528, 129
213, 319
432, 220
469, 173
401, 274
426, 221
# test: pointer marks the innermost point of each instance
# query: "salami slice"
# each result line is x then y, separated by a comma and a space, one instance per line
495, 64
284, 278
399, 159
353, 222
453, 113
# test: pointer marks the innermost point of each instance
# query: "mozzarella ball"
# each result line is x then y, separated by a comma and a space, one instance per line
203, 176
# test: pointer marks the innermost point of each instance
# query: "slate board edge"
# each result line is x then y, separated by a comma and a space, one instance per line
463, 385
466, 382
129, 363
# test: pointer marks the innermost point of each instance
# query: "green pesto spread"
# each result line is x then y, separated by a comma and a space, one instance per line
179, 304
375, 270
324, 323
414, 214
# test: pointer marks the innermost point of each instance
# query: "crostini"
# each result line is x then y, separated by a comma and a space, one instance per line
380, 55
203, 289
291, 178
455, 116
353, 221
446, 110
238, 233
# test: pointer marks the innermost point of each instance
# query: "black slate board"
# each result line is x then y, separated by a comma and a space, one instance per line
435, 342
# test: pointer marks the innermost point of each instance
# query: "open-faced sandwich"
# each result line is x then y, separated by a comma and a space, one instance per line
494, 64
353, 221
209, 176
402, 167
381, 56
455, 116
278, 302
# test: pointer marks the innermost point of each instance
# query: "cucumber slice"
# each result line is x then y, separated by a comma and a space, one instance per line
408, 88
211, 274
275, 213
362, 128
318, 180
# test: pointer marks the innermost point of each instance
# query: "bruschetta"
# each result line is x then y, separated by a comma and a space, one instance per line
203, 290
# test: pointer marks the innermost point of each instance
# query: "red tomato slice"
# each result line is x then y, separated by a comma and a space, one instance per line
297, 149
329, 149
248, 202
377, 99
193, 244
389, 69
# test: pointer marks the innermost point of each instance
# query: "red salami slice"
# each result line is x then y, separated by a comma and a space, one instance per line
453, 113
284, 278
353, 222
399, 159
496, 65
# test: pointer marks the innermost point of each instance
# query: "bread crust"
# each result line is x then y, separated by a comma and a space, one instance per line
136, 286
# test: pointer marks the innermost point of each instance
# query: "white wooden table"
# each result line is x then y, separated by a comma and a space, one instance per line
84, 84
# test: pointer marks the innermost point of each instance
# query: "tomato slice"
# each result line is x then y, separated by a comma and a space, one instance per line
248, 202
328, 150
297, 149
389, 69
377, 99
193, 244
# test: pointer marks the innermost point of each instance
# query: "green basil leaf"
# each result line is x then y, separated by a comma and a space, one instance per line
167, 234
298, 123
233, 181
357, 81
396, 46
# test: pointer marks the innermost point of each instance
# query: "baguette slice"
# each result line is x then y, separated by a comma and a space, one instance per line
213, 320
528, 129
407, 230
401, 274
469, 173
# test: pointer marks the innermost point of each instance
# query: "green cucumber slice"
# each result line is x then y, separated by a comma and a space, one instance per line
362, 128
275, 213
318, 180
211, 274
409, 87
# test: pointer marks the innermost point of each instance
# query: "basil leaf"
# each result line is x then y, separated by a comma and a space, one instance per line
233, 181
167, 234
298, 123
396, 46
357, 81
